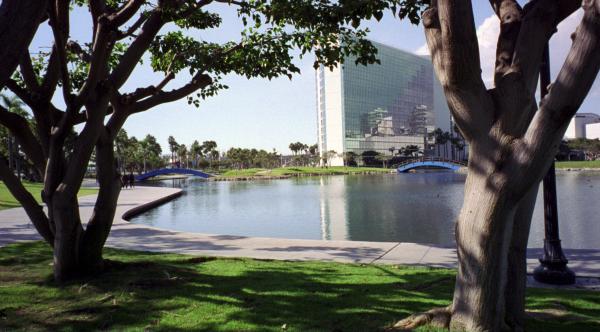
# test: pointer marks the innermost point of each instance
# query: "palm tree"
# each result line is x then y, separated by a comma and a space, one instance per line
182, 154
15, 105
196, 153
173, 147
208, 147
330, 155
446, 137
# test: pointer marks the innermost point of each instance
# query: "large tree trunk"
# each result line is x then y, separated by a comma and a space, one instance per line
65, 213
98, 228
517, 262
483, 234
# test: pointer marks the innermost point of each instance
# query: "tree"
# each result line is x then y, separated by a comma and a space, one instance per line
410, 150
196, 153
512, 143
384, 158
90, 77
182, 155
15, 161
151, 152
209, 149
330, 155
173, 147
294, 148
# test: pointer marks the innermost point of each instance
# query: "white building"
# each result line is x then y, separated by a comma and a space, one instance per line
579, 125
592, 130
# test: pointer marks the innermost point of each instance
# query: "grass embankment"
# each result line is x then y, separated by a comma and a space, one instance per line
578, 164
150, 291
299, 171
7, 200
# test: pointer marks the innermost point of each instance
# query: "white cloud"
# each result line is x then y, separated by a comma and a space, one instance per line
561, 42
487, 35
423, 50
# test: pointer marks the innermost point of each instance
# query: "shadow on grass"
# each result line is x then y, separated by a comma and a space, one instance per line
150, 291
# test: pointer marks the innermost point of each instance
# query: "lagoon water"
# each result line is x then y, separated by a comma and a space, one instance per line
415, 207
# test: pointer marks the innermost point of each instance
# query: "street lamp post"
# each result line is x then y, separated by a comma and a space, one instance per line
553, 263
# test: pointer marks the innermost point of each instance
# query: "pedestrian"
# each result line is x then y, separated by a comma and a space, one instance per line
131, 180
124, 181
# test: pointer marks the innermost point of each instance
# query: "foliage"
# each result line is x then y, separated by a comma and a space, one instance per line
140, 156
150, 291
301, 171
247, 158
590, 147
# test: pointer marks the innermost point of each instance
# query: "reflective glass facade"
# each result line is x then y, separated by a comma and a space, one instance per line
379, 106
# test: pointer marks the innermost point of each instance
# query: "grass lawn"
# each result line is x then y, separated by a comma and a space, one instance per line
7, 200
578, 164
149, 291
335, 170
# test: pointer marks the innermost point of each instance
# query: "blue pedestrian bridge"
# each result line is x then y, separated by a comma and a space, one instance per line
166, 171
430, 162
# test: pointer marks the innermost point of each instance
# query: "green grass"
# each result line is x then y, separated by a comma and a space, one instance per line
7, 200
283, 171
578, 164
148, 291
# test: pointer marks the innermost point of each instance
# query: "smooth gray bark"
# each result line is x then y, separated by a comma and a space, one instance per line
512, 142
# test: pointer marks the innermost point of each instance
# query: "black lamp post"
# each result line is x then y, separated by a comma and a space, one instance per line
553, 268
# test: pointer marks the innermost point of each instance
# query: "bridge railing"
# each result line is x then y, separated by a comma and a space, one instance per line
431, 159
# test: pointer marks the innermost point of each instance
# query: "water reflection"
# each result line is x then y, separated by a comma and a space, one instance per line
418, 208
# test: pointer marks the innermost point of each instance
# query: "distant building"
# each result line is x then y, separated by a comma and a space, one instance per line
592, 130
379, 107
579, 125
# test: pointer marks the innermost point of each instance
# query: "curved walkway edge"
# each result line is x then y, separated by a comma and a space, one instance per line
15, 227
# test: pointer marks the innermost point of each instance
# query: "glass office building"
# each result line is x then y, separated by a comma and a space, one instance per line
380, 107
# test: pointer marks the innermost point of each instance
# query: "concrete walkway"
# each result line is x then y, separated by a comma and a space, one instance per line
14, 226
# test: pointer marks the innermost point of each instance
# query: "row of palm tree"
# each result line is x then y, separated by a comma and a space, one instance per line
442, 138
195, 155
10, 149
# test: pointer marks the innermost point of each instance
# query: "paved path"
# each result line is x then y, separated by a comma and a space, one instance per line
14, 226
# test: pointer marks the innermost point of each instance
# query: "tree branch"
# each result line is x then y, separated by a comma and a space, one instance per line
199, 81
133, 28
59, 21
34, 211
74, 47
19, 127
19, 20
539, 22
568, 92
125, 13
509, 13
137, 49
455, 57
29, 76
52, 76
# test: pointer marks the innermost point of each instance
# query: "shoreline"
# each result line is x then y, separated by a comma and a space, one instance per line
141, 237
295, 175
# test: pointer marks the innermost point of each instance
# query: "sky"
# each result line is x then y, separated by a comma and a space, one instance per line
263, 114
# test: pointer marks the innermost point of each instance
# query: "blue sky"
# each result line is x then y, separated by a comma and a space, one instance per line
259, 113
